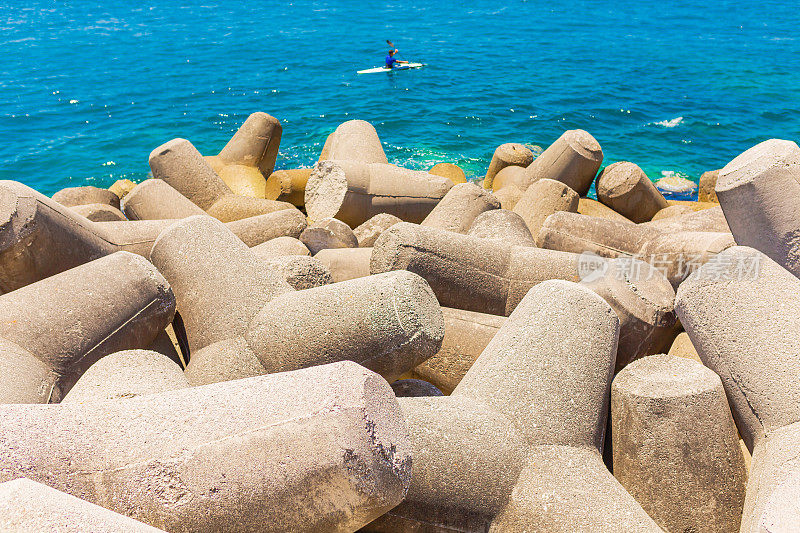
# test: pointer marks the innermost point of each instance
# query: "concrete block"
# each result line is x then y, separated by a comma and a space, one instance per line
543, 198
55, 329
288, 186
346, 263
573, 158
389, 323
593, 208
706, 186
510, 176
466, 335
754, 351
470, 447
675, 254
353, 192
506, 155
72, 196
450, 171
30, 507
676, 449
279, 247
503, 225
712, 219
626, 189
672, 211
368, 232
239, 460
127, 374
122, 187
758, 192
328, 233
508, 196
180, 164
244, 180
459, 208
100, 213
355, 140
300, 271
682, 347
255, 143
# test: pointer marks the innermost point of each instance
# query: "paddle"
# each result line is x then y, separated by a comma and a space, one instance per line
390, 43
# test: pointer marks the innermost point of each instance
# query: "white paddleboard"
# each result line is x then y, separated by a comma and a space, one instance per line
398, 67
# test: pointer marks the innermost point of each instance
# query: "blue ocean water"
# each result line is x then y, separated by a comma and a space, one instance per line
88, 90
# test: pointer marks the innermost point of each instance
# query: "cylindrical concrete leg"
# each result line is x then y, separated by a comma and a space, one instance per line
506, 155
759, 191
218, 282
512, 176
280, 247
543, 198
127, 374
573, 159
466, 335
346, 263
71, 320
626, 189
255, 143
459, 208
328, 233
502, 225
29, 506
706, 186
389, 323
676, 449
156, 199
356, 140
565, 489
320, 449
450, 171
368, 232
288, 186
75, 196
593, 208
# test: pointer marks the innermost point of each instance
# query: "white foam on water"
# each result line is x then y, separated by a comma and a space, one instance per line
669, 123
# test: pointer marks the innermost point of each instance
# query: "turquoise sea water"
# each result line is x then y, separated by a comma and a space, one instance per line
87, 90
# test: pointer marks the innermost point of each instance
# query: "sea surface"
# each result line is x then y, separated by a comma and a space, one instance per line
87, 90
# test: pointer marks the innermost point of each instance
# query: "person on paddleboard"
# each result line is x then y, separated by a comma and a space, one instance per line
390, 60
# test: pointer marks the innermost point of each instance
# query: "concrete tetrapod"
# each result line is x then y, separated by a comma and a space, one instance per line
288, 186
319, 449
353, 192
506, 155
676, 449
672, 211
51, 333
238, 323
755, 352
280, 247
503, 225
180, 164
127, 374
40, 237
470, 447
492, 277
300, 271
355, 140
626, 189
255, 143
675, 254
573, 158
368, 232
30, 507
759, 191
460, 207
543, 198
